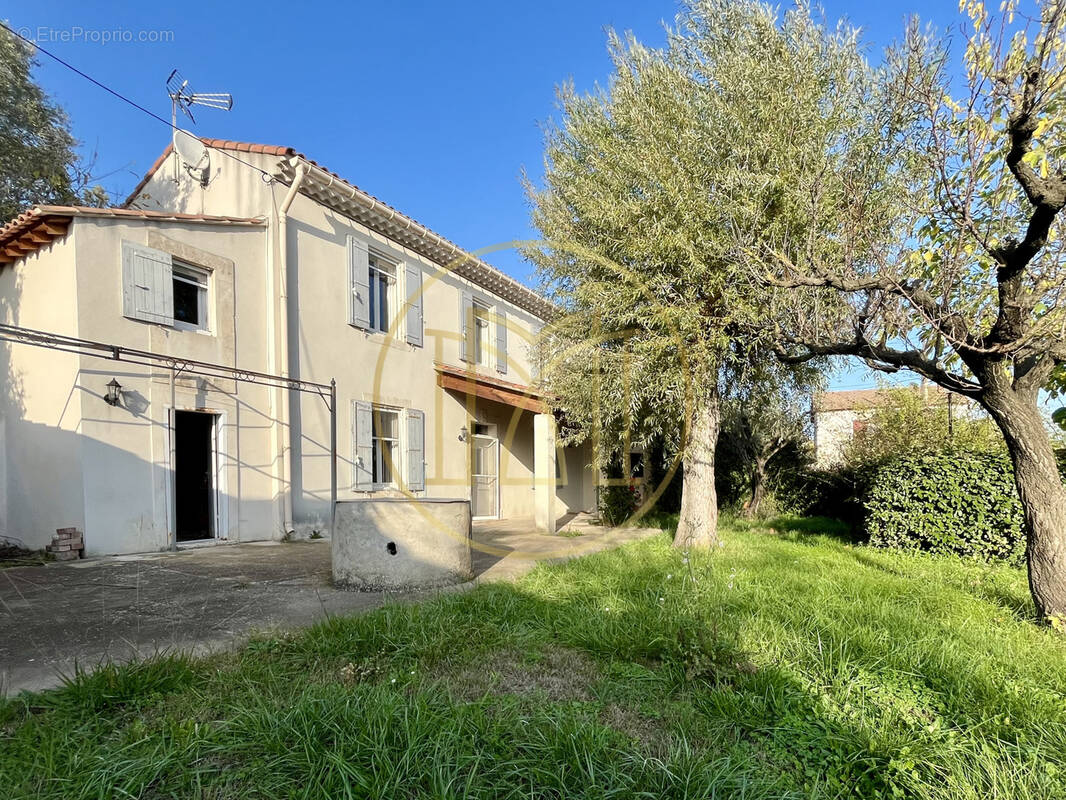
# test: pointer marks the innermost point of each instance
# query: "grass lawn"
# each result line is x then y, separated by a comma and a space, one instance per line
788, 664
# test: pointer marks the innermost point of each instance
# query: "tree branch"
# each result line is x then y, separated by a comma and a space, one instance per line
1047, 196
950, 324
881, 357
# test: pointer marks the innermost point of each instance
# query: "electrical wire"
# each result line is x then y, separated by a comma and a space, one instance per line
266, 175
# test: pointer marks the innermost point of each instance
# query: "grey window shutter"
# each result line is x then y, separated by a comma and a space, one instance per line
147, 284
413, 279
358, 282
501, 340
416, 450
363, 446
466, 325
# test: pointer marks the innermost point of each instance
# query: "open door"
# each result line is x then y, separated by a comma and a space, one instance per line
194, 476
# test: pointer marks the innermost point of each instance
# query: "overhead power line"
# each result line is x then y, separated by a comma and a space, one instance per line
266, 175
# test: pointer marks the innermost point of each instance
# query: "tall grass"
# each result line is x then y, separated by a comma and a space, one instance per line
787, 664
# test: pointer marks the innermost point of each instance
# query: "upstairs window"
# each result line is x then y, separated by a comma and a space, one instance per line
158, 288
382, 281
477, 345
190, 297
481, 333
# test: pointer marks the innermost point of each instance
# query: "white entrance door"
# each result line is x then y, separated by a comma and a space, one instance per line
485, 492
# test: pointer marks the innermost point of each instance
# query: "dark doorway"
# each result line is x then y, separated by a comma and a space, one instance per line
194, 483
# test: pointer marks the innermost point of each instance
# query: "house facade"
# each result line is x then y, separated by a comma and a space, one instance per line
839, 416
266, 262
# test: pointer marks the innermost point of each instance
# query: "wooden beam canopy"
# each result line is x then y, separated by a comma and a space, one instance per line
511, 394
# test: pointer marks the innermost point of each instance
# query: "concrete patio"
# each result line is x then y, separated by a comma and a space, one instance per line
209, 598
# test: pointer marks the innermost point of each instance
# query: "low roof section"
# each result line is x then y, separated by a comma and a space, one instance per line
39, 226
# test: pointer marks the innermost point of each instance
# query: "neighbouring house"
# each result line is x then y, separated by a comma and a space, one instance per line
264, 262
838, 416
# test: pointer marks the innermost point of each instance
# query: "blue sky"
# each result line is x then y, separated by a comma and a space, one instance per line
434, 107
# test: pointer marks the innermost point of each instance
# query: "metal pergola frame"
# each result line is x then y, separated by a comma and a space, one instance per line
178, 366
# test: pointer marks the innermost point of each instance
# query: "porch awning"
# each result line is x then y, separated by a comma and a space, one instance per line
471, 383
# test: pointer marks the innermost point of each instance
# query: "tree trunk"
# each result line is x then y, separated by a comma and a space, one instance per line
698, 523
758, 488
1042, 496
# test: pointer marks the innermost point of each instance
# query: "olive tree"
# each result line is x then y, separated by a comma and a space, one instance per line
38, 158
933, 239
638, 243
762, 421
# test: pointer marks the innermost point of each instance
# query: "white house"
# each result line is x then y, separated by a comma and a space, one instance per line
263, 262
838, 416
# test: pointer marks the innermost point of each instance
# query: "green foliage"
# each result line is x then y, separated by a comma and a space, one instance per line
646, 183
39, 163
838, 493
658, 462
788, 665
957, 502
110, 687
618, 503
911, 423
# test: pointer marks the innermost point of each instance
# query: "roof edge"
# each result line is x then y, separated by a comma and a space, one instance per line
390, 222
41, 225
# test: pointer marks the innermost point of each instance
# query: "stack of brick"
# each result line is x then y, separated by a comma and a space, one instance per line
67, 545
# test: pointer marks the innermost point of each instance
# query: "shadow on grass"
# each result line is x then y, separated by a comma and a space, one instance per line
779, 671
799, 528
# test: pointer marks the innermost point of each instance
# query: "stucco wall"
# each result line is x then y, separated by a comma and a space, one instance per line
128, 504
369, 367
72, 459
384, 369
40, 399
833, 430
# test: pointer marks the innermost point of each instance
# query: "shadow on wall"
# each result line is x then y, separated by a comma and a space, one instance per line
12, 398
60, 478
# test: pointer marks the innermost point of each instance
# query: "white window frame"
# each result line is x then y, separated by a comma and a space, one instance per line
199, 277
482, 339
381, 266
377, 469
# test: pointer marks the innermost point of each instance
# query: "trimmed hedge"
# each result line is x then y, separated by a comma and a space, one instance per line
963, 503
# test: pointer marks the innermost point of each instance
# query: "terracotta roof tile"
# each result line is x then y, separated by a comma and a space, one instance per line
32, 220
871, 398
528, 298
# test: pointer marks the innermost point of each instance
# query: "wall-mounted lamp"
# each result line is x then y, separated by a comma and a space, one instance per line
114, 393
463, 433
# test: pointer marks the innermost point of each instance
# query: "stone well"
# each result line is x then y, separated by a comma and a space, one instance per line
400, 543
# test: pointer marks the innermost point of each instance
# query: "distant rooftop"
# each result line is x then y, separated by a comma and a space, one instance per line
873, 398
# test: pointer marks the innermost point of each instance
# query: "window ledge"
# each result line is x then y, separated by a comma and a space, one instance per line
190, 329
397, 342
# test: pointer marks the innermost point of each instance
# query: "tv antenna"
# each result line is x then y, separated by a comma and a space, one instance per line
190, 150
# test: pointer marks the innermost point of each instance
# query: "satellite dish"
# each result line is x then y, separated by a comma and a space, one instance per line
192, 152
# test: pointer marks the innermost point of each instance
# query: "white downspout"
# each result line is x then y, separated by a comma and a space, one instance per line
281, 350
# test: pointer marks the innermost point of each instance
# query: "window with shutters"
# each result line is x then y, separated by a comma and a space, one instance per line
388, 448
159, 288
483, 332
382, 299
